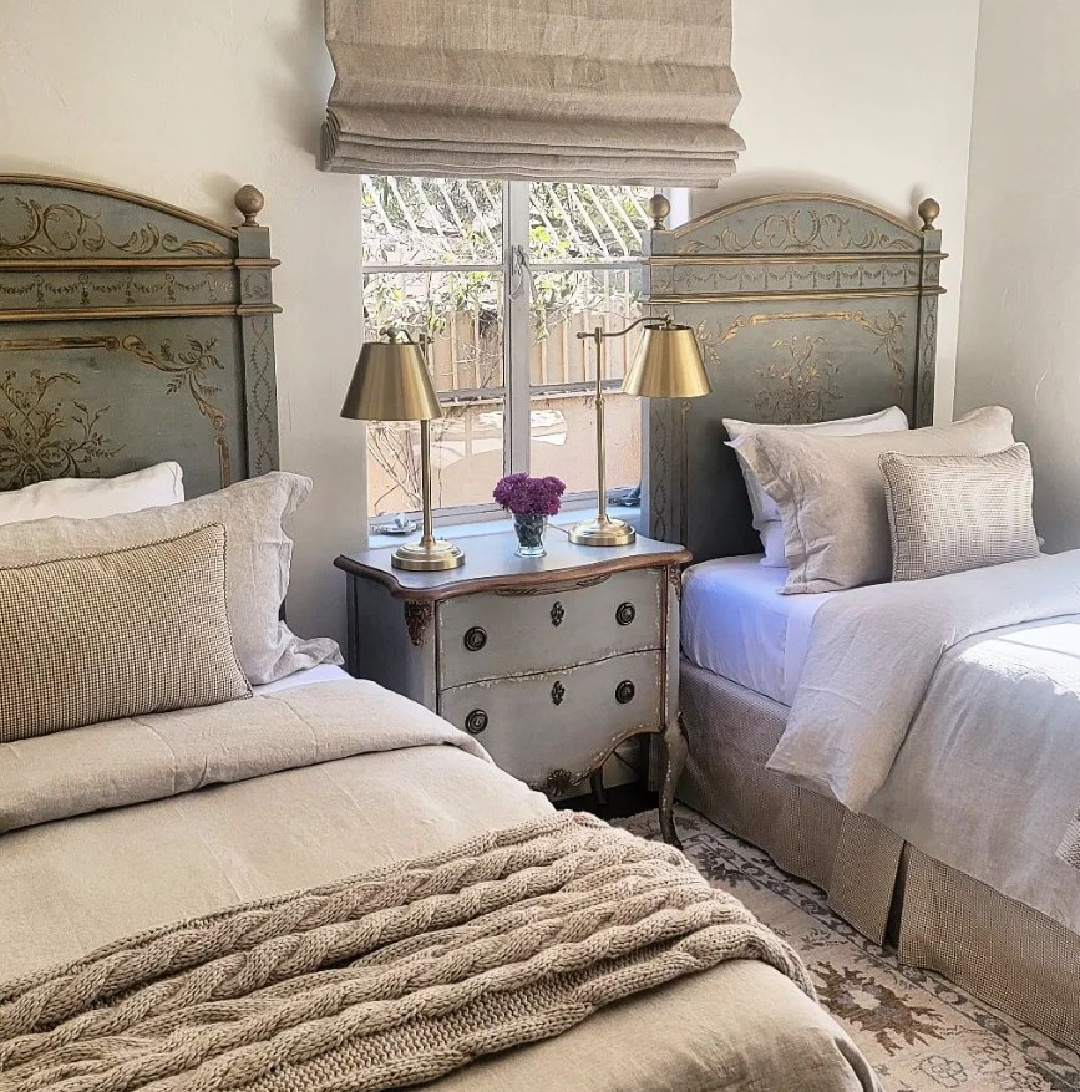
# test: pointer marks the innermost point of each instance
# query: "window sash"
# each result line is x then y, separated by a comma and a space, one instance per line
517, 391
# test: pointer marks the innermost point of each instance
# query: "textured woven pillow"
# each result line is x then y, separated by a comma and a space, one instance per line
766, 514
110, 635
832, 499
251, 512
949, 513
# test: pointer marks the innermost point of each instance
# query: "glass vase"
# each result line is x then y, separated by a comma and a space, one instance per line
530, 528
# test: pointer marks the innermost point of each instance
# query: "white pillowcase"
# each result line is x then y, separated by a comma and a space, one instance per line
92, 498
766, 514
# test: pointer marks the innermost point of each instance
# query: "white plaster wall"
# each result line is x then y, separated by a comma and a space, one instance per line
1020, 307
872, 100
187, 100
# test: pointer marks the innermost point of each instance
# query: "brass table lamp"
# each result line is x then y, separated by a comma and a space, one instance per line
392, 382
667, 364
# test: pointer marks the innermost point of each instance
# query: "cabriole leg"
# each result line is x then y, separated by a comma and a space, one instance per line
672, 759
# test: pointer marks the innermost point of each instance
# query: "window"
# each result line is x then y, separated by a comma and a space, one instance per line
503, 276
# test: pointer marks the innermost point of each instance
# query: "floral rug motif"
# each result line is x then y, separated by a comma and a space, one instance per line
919, 1031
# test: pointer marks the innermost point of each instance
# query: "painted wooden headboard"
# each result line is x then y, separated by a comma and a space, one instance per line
807, 308
132, 332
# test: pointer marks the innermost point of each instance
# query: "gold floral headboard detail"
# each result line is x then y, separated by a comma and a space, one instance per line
807, 307
131, 332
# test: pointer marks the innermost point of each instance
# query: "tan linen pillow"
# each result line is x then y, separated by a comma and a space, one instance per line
950, 513
259, 553
766, 516
118, 634
832, 498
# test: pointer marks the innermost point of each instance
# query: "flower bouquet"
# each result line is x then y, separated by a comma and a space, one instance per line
531, 500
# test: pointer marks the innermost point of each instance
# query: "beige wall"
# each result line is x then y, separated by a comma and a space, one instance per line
1020, 310
185, 101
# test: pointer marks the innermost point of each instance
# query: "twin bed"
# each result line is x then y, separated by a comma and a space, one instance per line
912, 748
132, 332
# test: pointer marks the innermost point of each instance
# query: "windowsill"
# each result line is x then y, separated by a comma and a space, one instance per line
501, 523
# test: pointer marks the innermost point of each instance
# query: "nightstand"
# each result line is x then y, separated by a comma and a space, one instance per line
551, 663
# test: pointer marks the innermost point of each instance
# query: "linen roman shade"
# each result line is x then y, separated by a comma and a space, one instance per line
617, 91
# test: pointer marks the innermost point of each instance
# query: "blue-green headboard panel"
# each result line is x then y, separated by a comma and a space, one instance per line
132, 332
807, 307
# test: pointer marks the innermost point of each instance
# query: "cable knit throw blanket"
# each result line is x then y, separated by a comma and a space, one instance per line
384, 980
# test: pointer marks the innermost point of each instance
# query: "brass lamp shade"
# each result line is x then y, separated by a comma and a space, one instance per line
667, 364
391, 383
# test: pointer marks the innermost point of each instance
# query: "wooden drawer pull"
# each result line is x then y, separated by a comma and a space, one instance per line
624, 613
624, 692
476, 722
475, 638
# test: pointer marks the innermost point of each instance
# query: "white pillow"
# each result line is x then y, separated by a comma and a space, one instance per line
766, 514
91, 498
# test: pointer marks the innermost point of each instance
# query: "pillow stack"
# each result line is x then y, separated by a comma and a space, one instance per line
127, 599
856, 509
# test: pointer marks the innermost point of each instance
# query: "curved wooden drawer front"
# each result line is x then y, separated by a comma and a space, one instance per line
535, 725
491, 636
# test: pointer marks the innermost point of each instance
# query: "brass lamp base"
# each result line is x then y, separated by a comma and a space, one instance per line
434, 556
602, 532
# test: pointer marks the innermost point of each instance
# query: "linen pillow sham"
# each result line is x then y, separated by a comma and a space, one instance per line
766, 514
950, 513
259, 553
832, 498
117, 634
91, 498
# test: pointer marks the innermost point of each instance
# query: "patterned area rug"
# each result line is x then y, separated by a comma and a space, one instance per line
920, 1032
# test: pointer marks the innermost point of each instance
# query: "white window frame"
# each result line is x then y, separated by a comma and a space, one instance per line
516, 392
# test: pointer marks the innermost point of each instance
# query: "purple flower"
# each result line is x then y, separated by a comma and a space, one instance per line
522, 495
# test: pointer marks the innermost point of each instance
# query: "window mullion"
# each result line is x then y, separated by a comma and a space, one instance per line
518, 335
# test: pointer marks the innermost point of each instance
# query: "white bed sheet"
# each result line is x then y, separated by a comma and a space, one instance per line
735, 623
319, 673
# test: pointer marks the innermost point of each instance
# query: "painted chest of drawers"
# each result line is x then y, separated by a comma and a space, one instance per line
550, 663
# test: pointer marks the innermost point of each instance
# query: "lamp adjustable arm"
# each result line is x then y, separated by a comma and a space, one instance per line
597, 336
598, 333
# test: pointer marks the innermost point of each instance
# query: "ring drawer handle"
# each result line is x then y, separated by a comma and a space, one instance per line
624, 692
476, 722
475, 638
558, 692
624, 613
557, 613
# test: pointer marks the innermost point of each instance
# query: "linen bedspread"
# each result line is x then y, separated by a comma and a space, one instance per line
298, 790
949, 710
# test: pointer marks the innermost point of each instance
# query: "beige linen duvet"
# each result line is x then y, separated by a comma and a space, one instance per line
215, 807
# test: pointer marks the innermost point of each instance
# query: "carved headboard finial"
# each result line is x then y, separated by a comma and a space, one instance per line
659, 207
249, 201
929, 210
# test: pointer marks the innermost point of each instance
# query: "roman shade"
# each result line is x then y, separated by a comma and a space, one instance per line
615, 91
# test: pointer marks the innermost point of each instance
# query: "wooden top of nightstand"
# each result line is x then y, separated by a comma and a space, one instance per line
490, 563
